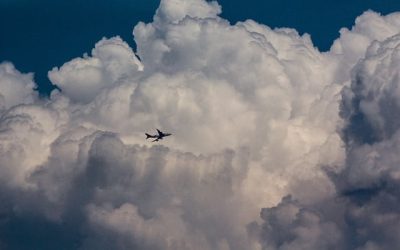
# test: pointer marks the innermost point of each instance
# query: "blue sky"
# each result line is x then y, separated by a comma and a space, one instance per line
38, 35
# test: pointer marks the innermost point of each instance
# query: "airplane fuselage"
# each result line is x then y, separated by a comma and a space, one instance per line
158, 137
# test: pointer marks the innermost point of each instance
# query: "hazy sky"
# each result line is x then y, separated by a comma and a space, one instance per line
276, 145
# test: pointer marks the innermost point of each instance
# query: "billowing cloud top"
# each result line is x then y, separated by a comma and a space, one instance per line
16, 88
261, 121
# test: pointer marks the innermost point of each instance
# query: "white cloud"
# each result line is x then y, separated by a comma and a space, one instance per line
83, 78
371, 174
254, 113
352, 44
173, 11
375, 88
26, 135
15, 87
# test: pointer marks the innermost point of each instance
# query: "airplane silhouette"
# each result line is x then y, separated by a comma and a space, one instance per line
158, 137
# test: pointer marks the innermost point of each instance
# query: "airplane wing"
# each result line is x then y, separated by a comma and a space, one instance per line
160, 133
154, 140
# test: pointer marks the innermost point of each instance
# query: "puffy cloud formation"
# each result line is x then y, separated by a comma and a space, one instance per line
364, 213
291, 225
264, 122
82, 79
371, 177
15, 87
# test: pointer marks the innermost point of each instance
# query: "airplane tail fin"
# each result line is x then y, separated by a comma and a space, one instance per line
147, 136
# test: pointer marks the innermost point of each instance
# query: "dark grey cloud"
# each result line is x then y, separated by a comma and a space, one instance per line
292, 225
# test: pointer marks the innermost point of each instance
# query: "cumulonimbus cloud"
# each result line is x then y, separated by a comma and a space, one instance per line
261, 121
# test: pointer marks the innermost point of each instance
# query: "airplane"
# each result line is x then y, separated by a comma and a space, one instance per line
158, 137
